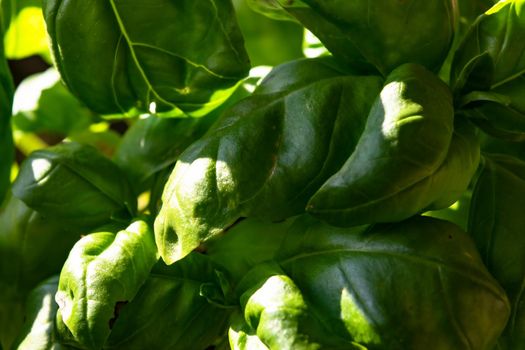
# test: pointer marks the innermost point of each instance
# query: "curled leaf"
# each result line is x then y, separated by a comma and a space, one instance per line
103, 271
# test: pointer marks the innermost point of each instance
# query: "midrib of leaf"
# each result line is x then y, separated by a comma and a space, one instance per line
134, 55
418, 259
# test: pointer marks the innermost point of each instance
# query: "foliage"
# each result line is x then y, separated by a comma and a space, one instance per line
361, 188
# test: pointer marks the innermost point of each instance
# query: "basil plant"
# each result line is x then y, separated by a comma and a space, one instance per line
262, 175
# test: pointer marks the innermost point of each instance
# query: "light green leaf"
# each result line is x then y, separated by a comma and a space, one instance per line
104, 271
26, 35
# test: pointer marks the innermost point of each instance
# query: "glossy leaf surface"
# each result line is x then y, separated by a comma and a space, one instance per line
170, 302
254, 162
103, 271
408, 159
497, 223
75, 183
489, 71
171, 54
378, 35
361, 283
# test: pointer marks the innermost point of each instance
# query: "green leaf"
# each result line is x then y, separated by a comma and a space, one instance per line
104, 270
254, 162
169, 312
496, 222
408, 159
245, 245
39, 327
76, 184
488, 71
268, 42
32, 248
26, 35
396, 286
242, 337
7, 151
379, 36
43, 104
275, 309
154, 55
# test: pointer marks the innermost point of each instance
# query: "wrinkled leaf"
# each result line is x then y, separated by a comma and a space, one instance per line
39, 327
6, 98
104, 270
408, 159
43, 104
271, 301
378, 35
266, 156
242, 337
496, 223
362, 283
154, 55
488, 71
169, 312
76, 184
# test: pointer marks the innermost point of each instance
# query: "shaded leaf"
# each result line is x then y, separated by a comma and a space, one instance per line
75, 183
496, 222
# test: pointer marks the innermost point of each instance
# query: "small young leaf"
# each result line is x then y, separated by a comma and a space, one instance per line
103, 271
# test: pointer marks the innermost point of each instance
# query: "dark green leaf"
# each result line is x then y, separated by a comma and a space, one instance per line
396, 286
76, 184
32, 248
488, 71
408, 159
104, 270
379, 35
152, 55
266, 156
6, 98
496, 223
169, 313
